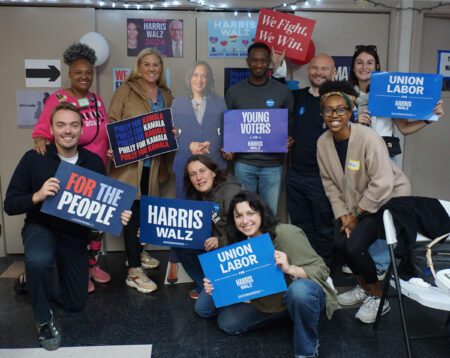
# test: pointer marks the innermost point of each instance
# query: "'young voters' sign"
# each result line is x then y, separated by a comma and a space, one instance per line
404, 95
141, 137
255, 130
175, 222
243, 271
89, 199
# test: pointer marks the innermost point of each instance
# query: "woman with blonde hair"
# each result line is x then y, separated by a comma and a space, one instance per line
144, 91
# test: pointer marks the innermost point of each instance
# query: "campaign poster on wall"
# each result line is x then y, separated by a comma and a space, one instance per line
89, 199
175, 222
230, 38
404, 95
443, 68
166, 35
285, 32
255, 131
29, 106
243, 271
141, 137
120, 75
342, 64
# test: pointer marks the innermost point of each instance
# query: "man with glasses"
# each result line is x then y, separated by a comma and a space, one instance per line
176, 36
307, 203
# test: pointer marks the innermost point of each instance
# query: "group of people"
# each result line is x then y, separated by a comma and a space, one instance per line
339, 176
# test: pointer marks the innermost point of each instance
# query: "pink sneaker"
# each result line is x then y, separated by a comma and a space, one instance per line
91, 287
98, 275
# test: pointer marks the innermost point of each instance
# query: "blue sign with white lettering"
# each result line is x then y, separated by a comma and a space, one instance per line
176, 223
404, 95
243, 271
89, 199
255, 131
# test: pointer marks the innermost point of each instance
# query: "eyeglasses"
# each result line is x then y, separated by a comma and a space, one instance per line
340, 111
365, 47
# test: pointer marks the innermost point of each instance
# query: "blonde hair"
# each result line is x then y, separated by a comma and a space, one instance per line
135, 74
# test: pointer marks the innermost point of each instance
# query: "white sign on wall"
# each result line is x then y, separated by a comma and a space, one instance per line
43, 73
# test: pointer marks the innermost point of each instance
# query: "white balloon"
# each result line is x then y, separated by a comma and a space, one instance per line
99, 44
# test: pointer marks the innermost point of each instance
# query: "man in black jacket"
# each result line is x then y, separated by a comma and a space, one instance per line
51, 242
307, 203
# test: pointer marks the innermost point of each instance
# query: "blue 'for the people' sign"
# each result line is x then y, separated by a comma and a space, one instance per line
176, 223
404, 95
243, 271
89, 199
255, 130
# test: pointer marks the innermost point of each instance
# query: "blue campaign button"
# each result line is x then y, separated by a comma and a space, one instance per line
301, 111
270, 103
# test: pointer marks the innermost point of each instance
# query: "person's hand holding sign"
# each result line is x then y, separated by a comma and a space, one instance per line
364, 118
211, 243
207, 285
49, 188
125, 217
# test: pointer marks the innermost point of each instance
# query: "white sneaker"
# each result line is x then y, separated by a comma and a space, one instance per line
352, 297
138, 279
381, 274
367, 313
346, 269
147, 261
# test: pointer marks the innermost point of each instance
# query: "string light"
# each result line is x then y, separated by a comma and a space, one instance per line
208, 5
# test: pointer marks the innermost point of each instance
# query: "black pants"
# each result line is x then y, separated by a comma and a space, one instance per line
310, 210
133, 247
355, 248
46, 250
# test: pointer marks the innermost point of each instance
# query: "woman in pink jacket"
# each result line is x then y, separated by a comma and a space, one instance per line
81, 59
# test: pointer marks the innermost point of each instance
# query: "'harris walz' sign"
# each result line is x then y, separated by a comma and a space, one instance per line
89, 199
142, 137
243, 271
256, 130
404, 95
176, 223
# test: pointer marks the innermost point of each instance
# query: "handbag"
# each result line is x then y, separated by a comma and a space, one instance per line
428, 258
393, 145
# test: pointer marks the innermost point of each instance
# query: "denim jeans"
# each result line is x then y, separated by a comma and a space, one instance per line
304, 300
46, 250
310, 210
380, 254
265, 181
191, 264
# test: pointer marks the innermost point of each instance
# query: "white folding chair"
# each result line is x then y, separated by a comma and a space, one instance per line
431, 297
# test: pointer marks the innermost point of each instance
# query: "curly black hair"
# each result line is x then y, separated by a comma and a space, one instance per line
337, 86
78, 51
340, 88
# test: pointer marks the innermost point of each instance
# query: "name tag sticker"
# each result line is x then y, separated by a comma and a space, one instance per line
83, 102
353, 164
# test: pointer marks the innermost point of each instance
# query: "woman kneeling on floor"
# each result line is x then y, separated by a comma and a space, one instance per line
359, 178
308, 294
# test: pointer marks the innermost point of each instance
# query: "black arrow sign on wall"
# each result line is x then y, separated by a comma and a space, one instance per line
52, 73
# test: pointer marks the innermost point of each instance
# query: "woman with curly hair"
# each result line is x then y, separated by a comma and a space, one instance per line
308, 294
81, 59
144, 91
359, 178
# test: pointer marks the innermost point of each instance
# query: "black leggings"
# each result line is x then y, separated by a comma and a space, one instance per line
133, 247
355, 248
